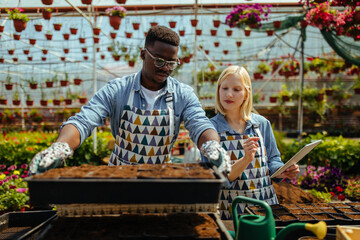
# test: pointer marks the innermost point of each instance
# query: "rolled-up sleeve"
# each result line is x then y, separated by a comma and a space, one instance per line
193, 115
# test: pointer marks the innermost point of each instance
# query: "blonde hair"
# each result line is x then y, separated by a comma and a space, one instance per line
245, 80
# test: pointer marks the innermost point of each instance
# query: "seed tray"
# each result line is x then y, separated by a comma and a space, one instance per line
137, 227
24, 225
125, 191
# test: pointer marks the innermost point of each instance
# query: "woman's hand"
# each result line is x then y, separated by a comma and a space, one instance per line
250, 147
291, 172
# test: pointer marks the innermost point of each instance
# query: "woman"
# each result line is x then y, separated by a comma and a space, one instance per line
249, 140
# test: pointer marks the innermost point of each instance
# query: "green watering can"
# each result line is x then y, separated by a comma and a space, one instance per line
255, 227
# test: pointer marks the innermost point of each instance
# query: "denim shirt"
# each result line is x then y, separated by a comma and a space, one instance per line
110, 100
272, 152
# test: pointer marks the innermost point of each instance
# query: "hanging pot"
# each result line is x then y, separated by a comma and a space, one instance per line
11, 51
198, 32
216, 23
57, 26
66, 36
26, 51
213, 32
153, 24
46, 15
131, 63
216, 44
85, 58
257, 76
87, 2
84, 50
16, 102
56, 102
49, 84
113, 35
66, 50
3, 101
33, 85
115, 22
15, 59
102, 56
182, 33
17, 37
49, 37
273, 99
43, 103
96, 31
32, 41
73, 31
29, 58
238, 43
128, 34
19, 25
43, 59
45, 51
229, 33
277, 24
116, 57
270, 32
82, 100
225, 52
9, 86
207, 52
96, 40
172, 24
194, 22
29, 102
121, 1
64, 83
68, 101
38, 27
47, 2
247, 32
136, 26
2, 28
2, 60
77, 81
82, 40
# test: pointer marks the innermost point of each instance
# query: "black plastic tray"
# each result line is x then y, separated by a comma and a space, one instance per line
24, 225
78, 230
125, 191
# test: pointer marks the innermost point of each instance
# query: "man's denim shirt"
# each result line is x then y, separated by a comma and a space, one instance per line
272, 152
110, 100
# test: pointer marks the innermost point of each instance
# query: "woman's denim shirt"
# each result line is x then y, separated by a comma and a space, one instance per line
273, 154
110, 100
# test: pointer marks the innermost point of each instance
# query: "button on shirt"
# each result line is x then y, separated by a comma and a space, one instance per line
110, 99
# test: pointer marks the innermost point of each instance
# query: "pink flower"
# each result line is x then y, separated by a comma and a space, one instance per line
1, 182
26, 172
12, 168
24, 166
24, 176
15, 176
6, 172
2, 166
21, 190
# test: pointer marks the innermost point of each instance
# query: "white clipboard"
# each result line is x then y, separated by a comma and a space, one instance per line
297, 157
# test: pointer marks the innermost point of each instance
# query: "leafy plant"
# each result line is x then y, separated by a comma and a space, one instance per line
353, 188
16, 14
8, 79
116, 11
325, 196
263, 68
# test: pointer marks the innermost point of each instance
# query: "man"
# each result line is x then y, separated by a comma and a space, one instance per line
145, 111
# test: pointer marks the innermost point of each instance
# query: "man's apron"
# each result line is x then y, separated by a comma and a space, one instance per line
145, 136
254, 182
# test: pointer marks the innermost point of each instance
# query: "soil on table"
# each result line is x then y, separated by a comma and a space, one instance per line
289, 193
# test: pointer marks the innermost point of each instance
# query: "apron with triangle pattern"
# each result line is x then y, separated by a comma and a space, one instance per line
254, 182
145, 136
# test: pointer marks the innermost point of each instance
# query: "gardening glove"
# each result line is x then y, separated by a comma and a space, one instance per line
51, 157
217, 155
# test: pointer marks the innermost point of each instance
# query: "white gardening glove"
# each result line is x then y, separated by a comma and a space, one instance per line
51, 157
217, 155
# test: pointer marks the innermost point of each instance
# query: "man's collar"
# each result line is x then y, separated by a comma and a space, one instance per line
169, 87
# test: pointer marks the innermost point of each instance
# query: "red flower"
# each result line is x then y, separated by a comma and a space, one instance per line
341, 197
12, 187
6, 172
339, 189
333, 194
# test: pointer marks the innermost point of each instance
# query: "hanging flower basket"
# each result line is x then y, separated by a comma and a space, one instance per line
57, 26
38, 27
11, 51
213, 32
248, 14
29, 58
47, 2
285, 98
258, 76
66, 36
131, 63
136, 26
198, 32
2, 28
17, 37
66, 50
44, 103
16, 102
96, 40
49, 37
87, 2
273, 99
194, 22
277, 24
186, 59
247, 32
238, 43
32, 41
46, 15
216, 44
172, 24
113, 35
29, 102
270, 32
115, 22
64, 83
182, 33
96, 31
3, 101
216, 23
33, 85
77, 81
153, 24
73, 31
82, 100
9, 86
82, 40
56, 102
68, 101
128, 34
49, 84
19, 25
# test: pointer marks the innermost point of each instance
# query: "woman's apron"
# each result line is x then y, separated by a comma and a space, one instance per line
145, 136
254, 182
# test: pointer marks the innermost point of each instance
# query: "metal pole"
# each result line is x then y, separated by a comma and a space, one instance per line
300, 107
94, 77
195, 50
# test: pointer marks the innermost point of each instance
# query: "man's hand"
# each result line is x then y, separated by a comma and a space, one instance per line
291, 172
49, 158
213, 151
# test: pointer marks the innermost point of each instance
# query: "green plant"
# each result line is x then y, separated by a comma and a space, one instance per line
116, 11
31, 80
8, 79
16, 95
353, 188
71, 95
262, 68
16, 14
48, 10
325, 196
357, 82
28, 97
